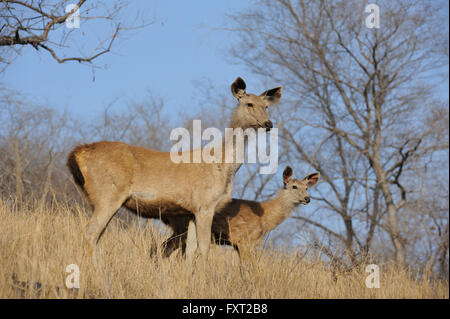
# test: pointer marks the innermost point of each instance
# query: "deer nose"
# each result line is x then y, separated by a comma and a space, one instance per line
268, 125
307, 199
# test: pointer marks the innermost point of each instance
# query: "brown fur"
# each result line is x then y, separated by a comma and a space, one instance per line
148, 182
244, 222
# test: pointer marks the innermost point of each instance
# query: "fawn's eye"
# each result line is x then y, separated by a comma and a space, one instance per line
250, 105
266, 107
294, 187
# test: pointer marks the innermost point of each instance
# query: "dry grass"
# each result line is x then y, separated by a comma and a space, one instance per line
36, 246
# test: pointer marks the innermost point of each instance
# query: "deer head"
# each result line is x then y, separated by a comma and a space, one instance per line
252, 109
297, 189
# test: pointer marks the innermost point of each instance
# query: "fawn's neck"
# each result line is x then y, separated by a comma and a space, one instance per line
276, 210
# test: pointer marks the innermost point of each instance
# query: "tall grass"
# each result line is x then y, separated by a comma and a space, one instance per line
38, 242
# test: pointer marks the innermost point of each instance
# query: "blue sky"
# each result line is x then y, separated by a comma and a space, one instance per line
166, 57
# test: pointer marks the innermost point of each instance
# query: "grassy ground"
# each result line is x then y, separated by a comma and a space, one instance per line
37, 244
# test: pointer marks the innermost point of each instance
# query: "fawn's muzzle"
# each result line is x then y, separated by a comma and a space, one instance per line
268, 125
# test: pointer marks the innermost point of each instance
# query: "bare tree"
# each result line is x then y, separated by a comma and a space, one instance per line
143, 123
42, 25
425, 222
33, 145
362, 106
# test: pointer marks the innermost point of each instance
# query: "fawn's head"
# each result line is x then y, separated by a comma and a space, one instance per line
297, 189
252, 109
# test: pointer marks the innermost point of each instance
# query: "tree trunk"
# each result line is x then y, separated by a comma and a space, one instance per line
394, 231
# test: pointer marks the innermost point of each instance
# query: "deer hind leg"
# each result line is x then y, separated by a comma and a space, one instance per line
104, 210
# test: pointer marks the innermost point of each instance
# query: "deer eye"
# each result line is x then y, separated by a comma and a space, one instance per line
294, 187
250, 105
266, 107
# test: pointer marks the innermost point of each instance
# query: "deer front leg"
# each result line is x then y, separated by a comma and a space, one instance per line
172, 244
179, 225
191, 241
203, 223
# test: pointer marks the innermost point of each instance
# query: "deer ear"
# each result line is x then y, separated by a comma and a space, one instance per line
287, 174
273, 96
238, 88
312, 179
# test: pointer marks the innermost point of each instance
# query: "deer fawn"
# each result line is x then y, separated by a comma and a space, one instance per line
115, 174
243, 222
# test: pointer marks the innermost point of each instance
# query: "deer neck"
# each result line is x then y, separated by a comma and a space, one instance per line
276, 210
230, 146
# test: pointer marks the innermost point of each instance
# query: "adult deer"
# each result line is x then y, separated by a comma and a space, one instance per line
148, 182
243, 222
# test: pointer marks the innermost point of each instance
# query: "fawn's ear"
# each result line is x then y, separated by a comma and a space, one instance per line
287, 174
273, 96
238, 88
312, 179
